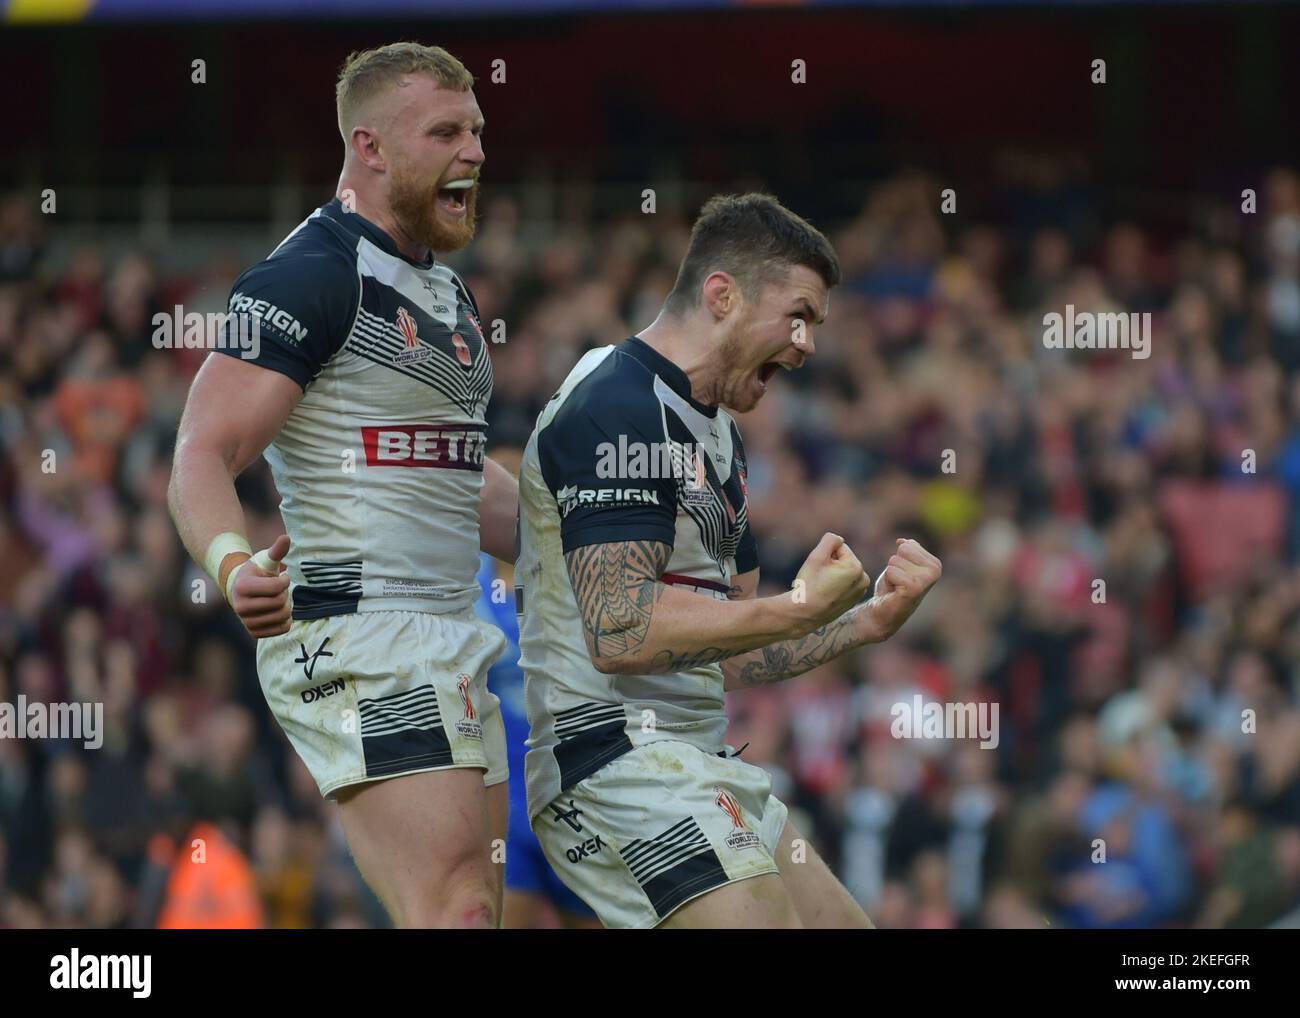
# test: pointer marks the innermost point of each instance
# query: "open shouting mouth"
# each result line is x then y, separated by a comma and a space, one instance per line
452, 197
769, 369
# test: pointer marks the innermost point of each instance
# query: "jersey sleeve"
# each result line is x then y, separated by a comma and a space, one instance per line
292, 312
596, 459
746, 551
465, 292
747, 547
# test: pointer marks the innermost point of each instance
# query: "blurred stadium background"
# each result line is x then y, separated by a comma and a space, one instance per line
1120, 720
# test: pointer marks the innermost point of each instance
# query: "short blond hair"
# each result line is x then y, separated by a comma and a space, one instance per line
367, 73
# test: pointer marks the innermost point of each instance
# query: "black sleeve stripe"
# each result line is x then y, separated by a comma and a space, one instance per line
469, 297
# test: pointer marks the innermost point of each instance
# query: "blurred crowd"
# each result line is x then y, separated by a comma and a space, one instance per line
1120, 538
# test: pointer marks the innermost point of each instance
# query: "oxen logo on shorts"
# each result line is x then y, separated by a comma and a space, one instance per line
314, 693
742, 837
589, 847
569, 816
469, 726
308, 661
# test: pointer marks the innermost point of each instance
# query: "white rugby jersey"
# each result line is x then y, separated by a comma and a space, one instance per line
380, 465
620, 403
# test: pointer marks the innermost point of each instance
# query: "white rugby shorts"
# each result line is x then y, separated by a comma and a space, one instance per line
662, 824
376, 695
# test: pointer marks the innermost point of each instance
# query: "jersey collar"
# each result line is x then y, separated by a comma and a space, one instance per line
359, 225
673, 376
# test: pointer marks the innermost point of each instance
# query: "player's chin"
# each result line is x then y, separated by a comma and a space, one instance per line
446, 237
747, 397
450, 232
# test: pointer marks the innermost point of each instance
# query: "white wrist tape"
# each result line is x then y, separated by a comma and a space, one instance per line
221, 546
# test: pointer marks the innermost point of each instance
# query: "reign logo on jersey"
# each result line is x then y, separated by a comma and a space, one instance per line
570, 497
266, 312
452, 447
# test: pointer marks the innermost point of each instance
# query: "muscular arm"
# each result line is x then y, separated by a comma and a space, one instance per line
498, 511
908, 575
789, 658
634, 623
233, 411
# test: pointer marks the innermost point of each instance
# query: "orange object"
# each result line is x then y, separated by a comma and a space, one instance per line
100, 415
211, 887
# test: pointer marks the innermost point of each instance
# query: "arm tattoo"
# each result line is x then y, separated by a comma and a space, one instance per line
669, 661
616, 586
794, 657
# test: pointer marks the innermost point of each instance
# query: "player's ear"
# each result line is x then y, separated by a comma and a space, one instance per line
365, 146
721, 294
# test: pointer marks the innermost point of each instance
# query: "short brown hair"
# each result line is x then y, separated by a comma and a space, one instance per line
368, 72
753, 237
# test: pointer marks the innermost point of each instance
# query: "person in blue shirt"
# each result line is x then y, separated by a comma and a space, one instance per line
534, 896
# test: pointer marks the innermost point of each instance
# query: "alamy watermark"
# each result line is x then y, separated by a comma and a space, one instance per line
39, 720
1106, 330
214, 330
919, 719
77, 971
635, 461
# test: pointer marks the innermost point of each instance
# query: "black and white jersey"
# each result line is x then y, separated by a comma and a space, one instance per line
380, 465
622, 453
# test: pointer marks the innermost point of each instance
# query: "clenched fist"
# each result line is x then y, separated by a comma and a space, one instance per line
832, 581
906, 579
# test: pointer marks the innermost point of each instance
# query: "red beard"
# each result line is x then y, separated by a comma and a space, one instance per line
415, 206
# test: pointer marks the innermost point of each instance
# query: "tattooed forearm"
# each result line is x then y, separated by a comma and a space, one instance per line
616, 586
794, 657
669, 661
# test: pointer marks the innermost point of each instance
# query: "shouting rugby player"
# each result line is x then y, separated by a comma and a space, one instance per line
367, 394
